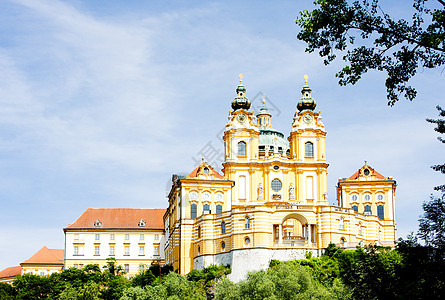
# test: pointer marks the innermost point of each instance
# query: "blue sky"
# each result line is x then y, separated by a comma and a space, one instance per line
101, 101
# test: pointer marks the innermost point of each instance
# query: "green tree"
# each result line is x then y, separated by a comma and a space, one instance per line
398, 47
30, 286
7, 292
440, 128
112, 267
142, 279
432, 223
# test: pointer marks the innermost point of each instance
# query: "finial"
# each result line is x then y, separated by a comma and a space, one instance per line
264, 100
241, 78
305, 78
202, 159
366, 163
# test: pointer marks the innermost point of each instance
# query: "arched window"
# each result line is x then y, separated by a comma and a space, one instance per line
223, 227
247, 223
219, 208
381, 212
242, 149
342, 223
368, 210
199, 232
193, 211
343, 242
355, 208
206, 208
308, 149
360, 228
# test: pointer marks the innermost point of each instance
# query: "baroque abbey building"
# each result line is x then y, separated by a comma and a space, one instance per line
271, 200
269, 203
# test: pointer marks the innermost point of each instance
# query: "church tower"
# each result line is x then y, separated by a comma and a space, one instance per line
307, 148
241, 144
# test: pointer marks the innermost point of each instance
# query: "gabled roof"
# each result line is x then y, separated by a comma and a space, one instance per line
374, 173
46, 256
11, 272
119, 218
199, 170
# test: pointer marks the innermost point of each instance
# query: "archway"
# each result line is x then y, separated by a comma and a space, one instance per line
294, 230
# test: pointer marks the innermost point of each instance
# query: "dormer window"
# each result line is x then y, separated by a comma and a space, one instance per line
206, 171
141, 223
97, 223
366, 172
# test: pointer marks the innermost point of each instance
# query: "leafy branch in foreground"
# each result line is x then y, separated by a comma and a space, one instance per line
399, 47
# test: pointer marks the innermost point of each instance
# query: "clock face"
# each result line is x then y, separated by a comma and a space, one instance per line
307, 118
241, 118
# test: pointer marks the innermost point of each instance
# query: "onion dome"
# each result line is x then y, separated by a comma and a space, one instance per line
264, 115
306, 102
241, 101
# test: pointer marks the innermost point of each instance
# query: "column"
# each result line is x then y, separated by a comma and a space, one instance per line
280, 234
309, 238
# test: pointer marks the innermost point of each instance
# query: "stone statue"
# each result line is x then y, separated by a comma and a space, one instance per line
260, 192
291, 192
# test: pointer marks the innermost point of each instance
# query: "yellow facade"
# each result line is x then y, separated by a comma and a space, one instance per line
271, 202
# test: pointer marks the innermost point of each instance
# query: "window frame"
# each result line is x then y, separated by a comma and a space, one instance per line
308, 149
242, 148
193, 211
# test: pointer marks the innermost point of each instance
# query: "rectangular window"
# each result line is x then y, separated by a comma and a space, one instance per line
96, 250
76, 250
156, 250
193, 211
309, 188
141, 250
308, 149
381, 212
112, 236
42, 273
127, 250
242, 187
141, 237
111, 250
76, 266
156, 237
96, 237
127, 236
127, 268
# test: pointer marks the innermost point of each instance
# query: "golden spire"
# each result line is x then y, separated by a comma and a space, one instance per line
305, 79
264, 99
241, 78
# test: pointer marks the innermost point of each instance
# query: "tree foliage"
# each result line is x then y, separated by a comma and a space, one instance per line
440, 128
398, 47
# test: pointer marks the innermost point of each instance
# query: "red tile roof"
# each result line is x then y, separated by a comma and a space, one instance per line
374, 173
120, 218
195, 172
10, 272
46, 256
